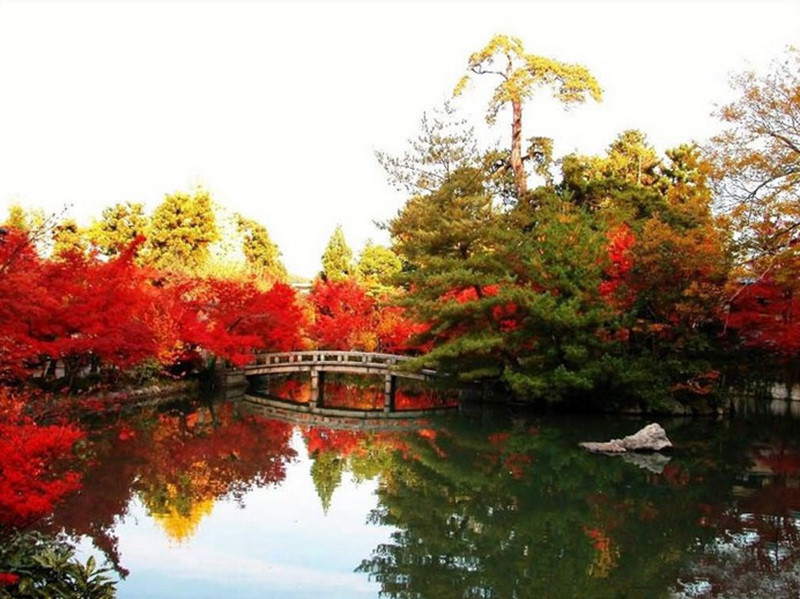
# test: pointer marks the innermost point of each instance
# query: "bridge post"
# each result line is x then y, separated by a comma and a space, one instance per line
388, 392
317, 388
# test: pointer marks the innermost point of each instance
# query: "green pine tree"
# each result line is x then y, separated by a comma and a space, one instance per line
337, 260
261, 253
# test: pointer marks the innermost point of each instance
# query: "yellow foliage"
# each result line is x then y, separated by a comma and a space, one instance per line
522, 74
180, 527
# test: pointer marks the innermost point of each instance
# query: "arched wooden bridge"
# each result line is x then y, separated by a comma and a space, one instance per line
318, 362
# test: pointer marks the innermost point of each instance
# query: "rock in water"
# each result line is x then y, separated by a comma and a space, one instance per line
613, 446
651, 438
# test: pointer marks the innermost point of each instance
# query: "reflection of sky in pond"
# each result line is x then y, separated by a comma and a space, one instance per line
279, 544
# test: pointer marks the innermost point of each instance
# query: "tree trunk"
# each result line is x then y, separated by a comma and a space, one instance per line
520, 178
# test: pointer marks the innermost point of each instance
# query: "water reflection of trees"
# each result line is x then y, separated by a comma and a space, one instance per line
364, 454
519, 511
756, 549
360, 392
485, 507
178, 462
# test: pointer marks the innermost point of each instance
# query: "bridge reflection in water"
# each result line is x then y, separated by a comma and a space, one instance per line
341, 383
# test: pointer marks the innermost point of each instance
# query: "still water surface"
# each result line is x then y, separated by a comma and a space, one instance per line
214, 500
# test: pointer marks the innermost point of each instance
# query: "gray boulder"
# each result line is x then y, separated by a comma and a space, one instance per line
651, 438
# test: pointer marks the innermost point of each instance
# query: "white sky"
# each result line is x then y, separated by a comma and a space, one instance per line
277, 108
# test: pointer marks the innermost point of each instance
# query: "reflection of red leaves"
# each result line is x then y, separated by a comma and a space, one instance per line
222, 454
430, 435
126, 433
326, 440
423, 399
648, 511
675, 475
516, 464
513, 462
347, 443
599, 538
780, 460
499, 438
207, 448
298, 391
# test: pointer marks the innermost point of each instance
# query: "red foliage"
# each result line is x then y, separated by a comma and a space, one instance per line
767, 316
344, 316
85, 312
394, 330
325, 440
77, 309
33, 475
620, 242
227, 318
21, 304
347, 318
95, 309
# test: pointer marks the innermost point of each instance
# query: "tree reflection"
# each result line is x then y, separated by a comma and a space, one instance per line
360, 392
517, 510
365, 454
483, 506
756, 549
178, 462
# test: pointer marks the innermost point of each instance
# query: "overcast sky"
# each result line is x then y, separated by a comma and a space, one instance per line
277, 108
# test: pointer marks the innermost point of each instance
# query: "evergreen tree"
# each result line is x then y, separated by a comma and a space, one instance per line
181, 229
377, 267
449, 240
337, 260
260, 251
521, 75
559, 327
444, 144
118, 226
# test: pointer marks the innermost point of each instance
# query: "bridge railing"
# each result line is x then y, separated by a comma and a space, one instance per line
331, 358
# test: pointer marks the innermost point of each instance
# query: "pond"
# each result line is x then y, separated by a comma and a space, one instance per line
218, 500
